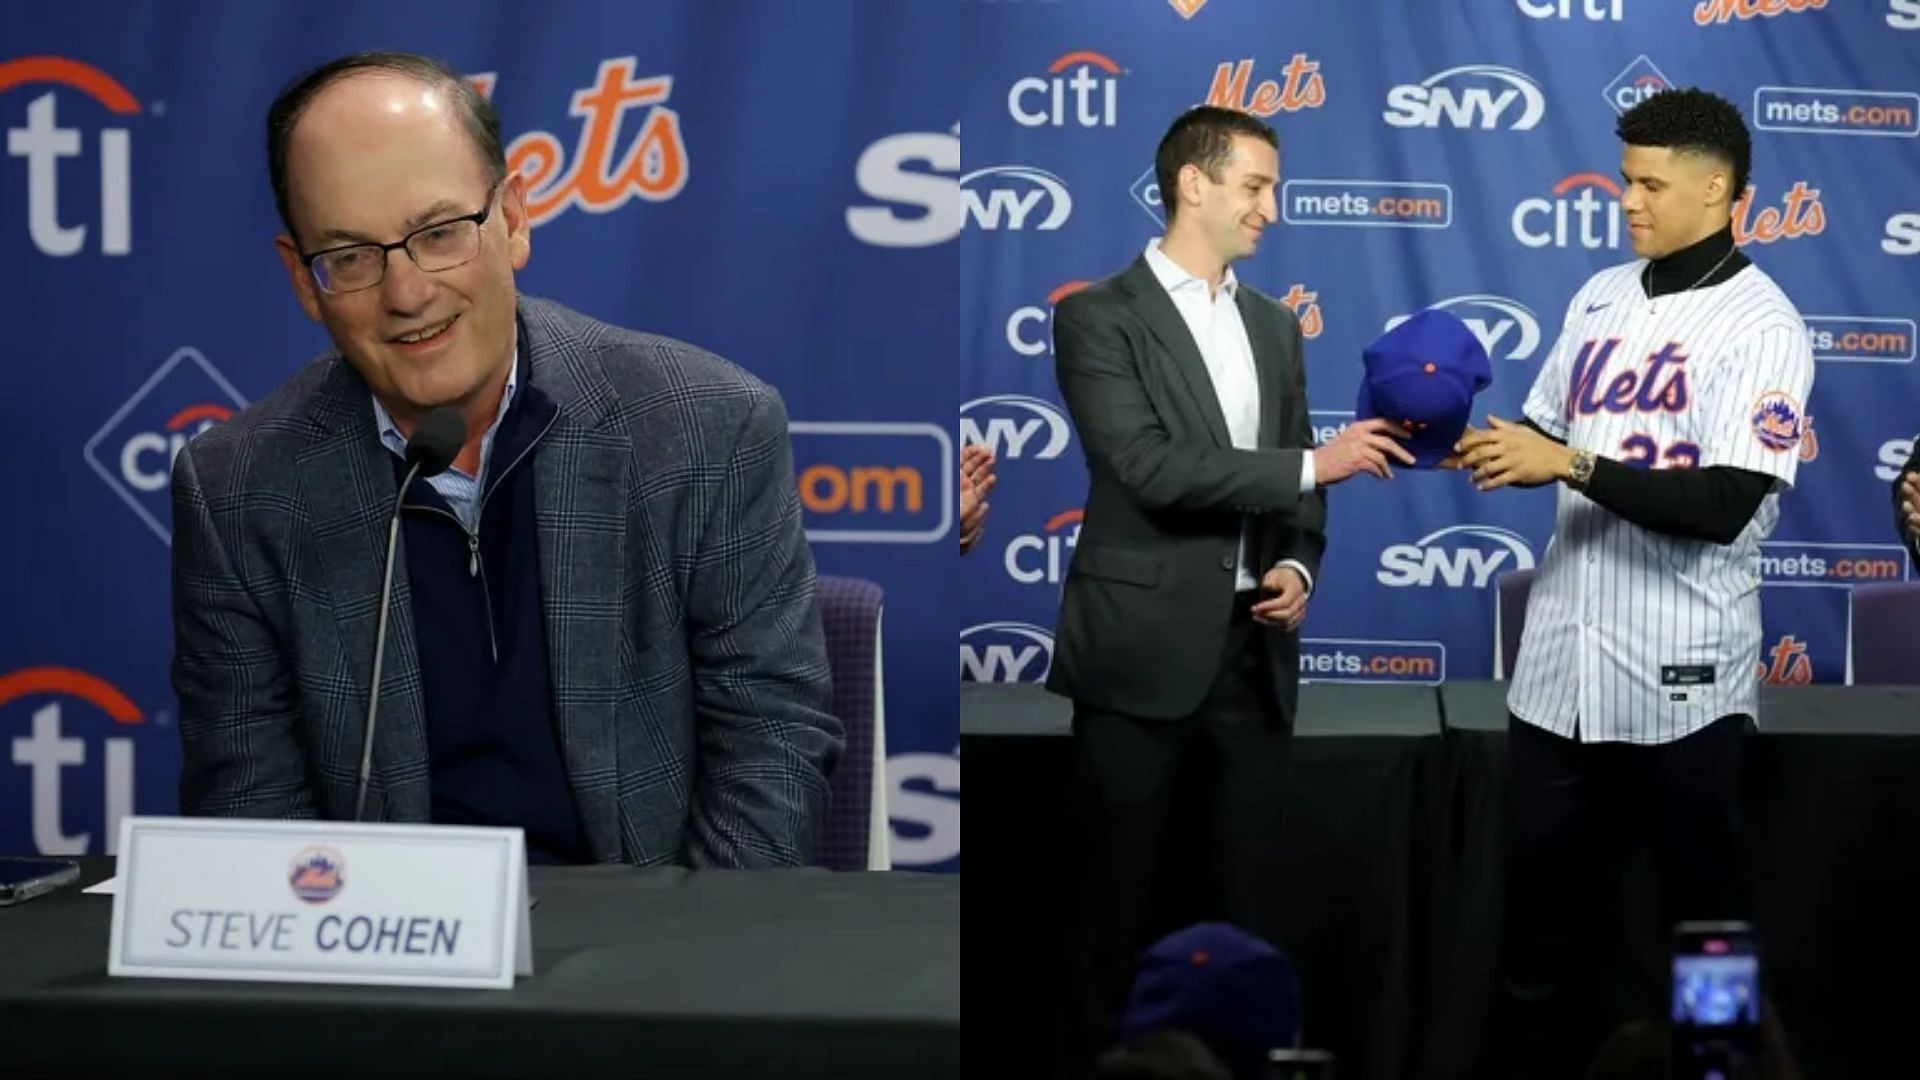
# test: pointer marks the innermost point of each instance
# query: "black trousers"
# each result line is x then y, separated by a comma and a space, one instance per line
1173, 822
1575, 811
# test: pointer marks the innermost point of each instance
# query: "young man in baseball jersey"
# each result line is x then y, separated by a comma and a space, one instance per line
1670, 413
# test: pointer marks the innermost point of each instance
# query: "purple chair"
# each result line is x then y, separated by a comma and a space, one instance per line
1509, 615
1883, 634
855, 834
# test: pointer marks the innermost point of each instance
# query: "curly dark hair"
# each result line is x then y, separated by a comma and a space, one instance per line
1692, 121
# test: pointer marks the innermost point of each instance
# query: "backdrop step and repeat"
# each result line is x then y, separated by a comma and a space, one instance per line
775, 181
1444, 153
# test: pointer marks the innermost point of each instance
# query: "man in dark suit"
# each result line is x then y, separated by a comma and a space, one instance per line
1906, 502
604, 628
1202, 535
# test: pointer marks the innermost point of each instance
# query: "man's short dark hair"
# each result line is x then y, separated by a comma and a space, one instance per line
1692, 121
476, 115
1166, 1054
1202, 136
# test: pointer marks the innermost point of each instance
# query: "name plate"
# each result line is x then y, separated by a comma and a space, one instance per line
321, 902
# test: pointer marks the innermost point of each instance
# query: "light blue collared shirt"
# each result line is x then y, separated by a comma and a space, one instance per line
461, 491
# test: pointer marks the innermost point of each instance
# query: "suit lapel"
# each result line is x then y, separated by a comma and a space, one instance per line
1163, 319
1269, 356
580, 510
347, 477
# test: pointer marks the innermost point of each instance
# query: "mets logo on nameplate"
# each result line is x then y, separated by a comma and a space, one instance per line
318, 874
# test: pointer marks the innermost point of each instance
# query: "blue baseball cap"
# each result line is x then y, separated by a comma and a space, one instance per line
1234, 991
1424, 374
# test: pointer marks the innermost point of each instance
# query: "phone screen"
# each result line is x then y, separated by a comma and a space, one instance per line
1716, 1001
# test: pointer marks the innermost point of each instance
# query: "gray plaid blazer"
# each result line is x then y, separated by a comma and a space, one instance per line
689, 668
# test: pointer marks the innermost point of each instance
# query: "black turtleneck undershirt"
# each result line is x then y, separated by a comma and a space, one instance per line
1714, 503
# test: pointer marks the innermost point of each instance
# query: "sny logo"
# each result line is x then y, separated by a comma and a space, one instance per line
1007, 196
1443, 556
1710, 12
1095, 98
1636, 83
1010, 436
599, 179
1502, 316
933, 196
47, 750
1591, 10
1903, 235
1303, 88
1903, 14
1005, 652
134, 450
1433, 100
1055, 543
43, 142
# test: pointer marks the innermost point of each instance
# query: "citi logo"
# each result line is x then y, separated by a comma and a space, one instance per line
1088, 97
1027, 327
46, 751
134, 450
43, 143
1575, 214
1043, 557
1458, 556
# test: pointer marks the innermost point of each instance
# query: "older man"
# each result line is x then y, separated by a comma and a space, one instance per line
603, 630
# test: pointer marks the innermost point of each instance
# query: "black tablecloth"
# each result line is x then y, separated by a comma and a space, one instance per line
1393, 817
640, 973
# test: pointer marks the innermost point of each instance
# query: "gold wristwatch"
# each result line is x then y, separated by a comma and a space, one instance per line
1581, 470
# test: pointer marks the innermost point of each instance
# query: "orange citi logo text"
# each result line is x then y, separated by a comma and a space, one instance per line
600, 177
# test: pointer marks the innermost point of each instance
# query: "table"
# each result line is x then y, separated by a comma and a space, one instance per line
638, 973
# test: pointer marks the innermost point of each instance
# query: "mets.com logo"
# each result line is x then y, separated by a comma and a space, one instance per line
317, 875
1813, 111
53, 758
599, 178
1861, 339
134, 450
1801, 564
55, 230
874, 482
1352, 660
1400, 204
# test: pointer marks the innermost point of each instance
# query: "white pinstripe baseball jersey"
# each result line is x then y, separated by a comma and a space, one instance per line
1631, 635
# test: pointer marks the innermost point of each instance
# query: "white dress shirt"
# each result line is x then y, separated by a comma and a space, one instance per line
1213, 318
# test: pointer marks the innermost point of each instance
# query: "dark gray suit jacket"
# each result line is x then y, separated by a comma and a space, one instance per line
1146, 604
688, 663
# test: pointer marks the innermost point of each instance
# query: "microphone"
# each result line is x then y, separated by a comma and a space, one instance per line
436, 441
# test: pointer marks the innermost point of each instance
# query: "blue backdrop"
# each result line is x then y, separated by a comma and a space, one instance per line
790, 203
1455, 153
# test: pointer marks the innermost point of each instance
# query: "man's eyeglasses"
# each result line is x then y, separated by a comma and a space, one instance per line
440, 246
